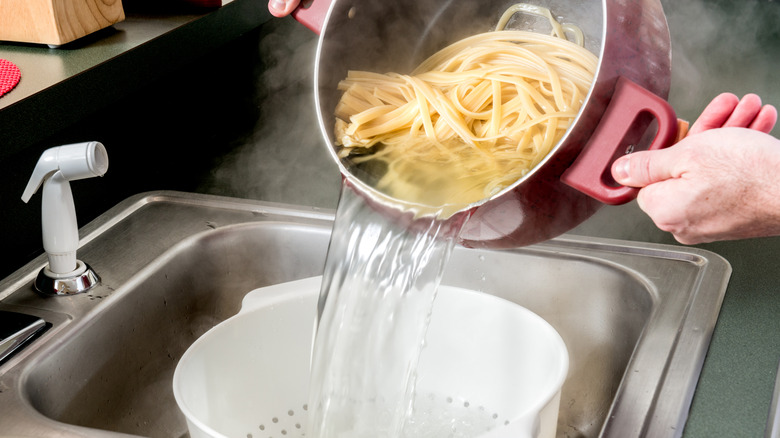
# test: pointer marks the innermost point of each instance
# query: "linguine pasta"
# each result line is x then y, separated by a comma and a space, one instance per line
470, 120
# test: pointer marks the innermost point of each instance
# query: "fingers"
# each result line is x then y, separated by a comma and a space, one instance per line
716, 113
726, 110
745, 112
765, 120
282, 8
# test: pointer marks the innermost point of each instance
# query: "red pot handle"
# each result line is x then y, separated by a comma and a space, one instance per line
591, 171
311, 13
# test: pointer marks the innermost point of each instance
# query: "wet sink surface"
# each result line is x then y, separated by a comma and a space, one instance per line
636, 318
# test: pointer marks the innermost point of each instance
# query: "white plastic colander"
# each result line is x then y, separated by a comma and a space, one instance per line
486, 359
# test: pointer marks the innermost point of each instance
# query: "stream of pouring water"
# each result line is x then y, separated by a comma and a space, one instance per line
380, 281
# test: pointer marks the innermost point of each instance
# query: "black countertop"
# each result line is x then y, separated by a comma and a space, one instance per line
63, 85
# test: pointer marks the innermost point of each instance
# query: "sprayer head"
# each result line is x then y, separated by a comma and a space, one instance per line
74, 161
55, 169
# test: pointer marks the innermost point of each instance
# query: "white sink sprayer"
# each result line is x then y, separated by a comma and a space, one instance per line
56, 167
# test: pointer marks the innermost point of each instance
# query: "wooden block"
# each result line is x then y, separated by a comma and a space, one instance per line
56, 22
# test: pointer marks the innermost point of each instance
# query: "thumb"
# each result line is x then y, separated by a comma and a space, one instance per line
642, 168
282, 8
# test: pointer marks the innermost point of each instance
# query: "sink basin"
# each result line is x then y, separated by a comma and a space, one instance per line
636, 318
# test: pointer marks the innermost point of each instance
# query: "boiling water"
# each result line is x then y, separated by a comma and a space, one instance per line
377, 294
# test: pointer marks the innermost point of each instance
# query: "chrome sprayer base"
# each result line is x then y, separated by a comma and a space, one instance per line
81, 280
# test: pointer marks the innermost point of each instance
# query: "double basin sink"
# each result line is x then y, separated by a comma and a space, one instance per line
636, 318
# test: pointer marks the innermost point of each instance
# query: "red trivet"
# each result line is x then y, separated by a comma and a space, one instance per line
9, 76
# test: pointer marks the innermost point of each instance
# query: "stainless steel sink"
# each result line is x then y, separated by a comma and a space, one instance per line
636, 318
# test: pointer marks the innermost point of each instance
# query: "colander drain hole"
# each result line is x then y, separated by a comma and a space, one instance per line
456, 416
282, 426
447, 416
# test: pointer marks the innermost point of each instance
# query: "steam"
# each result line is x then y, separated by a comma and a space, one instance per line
284, 159
720, 46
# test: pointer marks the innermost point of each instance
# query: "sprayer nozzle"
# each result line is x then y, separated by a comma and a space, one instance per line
74, 161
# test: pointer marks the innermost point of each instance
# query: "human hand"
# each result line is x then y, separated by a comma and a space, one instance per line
727, 110
718, 183
282, 8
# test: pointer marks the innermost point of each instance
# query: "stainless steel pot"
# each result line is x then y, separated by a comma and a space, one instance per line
631, 39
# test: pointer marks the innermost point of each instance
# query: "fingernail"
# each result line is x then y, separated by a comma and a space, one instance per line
278, 5
620, 170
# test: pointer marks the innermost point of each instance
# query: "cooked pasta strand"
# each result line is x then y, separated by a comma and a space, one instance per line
471, 119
